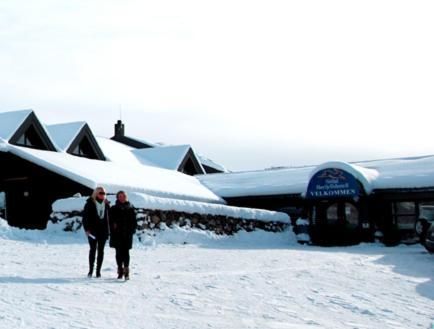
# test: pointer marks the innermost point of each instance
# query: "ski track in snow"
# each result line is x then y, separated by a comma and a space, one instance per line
215, 285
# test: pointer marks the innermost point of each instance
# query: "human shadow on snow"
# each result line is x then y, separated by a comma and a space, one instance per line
53, 281
22, 280
405, 263
412, 261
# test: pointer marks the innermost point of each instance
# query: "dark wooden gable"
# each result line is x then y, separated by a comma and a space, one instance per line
211, 170
31, 134
191, 165
85, 145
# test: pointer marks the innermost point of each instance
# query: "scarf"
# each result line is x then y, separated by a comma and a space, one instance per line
100, 209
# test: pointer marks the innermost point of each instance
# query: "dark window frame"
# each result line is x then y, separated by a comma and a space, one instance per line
404, 220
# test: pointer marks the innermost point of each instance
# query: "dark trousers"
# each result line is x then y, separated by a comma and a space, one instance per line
94, 245
123, 257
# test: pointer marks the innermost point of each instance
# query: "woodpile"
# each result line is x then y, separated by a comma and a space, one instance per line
158, 219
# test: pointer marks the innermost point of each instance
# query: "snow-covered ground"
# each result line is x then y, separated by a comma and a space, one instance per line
252, 280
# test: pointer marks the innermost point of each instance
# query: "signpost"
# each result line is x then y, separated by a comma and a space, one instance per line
333, 183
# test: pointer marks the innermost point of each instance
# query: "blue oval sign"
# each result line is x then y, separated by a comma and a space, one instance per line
332, 183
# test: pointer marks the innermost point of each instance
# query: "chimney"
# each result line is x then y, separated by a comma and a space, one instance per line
119, 129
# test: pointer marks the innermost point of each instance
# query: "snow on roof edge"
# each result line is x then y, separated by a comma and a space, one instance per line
56, 141
15, 117
364, 175
172, 159
49, 166
211, 163
196, 193
145, 201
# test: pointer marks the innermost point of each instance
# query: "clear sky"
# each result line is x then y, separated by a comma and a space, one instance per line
250, 84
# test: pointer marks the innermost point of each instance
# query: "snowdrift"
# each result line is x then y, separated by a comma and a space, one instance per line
54, 234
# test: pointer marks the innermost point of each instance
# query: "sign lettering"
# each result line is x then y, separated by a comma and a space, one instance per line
332, 183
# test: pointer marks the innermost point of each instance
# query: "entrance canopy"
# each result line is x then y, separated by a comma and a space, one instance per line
338, 180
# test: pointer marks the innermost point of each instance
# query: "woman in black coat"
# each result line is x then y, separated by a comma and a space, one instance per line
123, 224
96, 226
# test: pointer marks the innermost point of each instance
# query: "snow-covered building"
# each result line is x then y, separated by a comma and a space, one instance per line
344, 202
40, 164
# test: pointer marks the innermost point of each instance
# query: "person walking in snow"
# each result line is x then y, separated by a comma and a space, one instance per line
123, 224
96, 226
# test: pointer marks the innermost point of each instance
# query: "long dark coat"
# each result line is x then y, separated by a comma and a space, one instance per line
98, 227
123, 225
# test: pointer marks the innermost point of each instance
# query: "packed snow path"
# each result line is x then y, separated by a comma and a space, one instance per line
257, 280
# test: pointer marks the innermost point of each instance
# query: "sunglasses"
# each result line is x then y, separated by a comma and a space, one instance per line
101, 193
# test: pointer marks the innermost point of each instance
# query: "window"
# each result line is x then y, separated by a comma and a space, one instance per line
314, 213
332, 214
343, 214
31, 138
84, 149
351, 215
2, 204
404, 215
189, 168
426, 211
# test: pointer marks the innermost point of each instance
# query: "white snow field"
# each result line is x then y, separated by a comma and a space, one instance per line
194, 279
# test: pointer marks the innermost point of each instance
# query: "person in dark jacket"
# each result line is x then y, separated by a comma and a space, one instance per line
96, 226
123, 224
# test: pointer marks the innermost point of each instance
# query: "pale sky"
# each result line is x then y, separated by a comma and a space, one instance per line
250, 84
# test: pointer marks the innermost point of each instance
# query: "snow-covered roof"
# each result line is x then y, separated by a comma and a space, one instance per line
402, 173
140, 140
114, 176
169, 157
414, 172
64, 134
210, 163
364, 175
116, 152
11, 121
254, 183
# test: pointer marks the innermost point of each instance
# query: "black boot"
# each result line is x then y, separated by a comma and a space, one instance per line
98, 266
127, 273
99, 261
98, 271
89, 275
120, 273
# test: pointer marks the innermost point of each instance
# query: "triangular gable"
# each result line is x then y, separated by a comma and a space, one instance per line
168, 157
11, 121
76, 138
64, 134
30, 133
191, 165
179, 157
